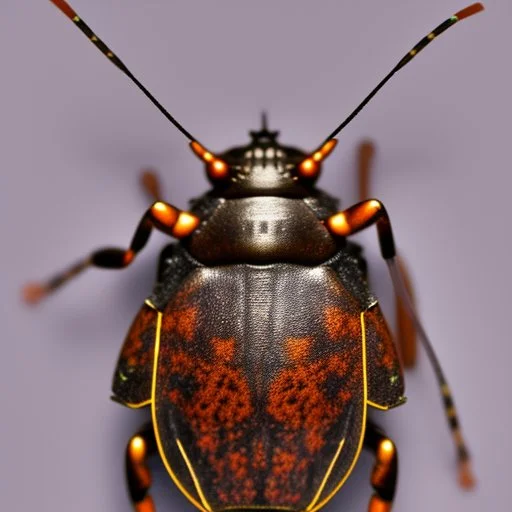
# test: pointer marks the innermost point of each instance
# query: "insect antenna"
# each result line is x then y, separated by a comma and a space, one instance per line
466, 478
103, 48
464, 13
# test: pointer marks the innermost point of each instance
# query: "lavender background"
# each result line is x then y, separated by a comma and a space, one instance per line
74, 133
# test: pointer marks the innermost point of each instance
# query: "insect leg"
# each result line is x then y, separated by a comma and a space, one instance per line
140, 447
466, 478
385, 470
160, 215
361, 216
405, 331
151, 184
406, 334
365, 153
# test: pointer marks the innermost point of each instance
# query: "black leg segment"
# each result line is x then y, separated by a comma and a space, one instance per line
160, 215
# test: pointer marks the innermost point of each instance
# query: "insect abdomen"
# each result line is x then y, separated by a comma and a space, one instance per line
257, 387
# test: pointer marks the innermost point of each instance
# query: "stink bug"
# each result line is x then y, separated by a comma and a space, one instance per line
262, 348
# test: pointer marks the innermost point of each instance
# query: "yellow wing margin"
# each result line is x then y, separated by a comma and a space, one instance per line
204, 506
318, 506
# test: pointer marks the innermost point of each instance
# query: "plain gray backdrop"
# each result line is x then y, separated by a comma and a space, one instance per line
74, 133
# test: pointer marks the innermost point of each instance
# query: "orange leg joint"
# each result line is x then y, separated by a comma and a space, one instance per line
363, 215
140, 447
385, 470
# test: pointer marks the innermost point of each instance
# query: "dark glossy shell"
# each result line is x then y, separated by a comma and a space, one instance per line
262, 388
262, 230
131, 384
264, 376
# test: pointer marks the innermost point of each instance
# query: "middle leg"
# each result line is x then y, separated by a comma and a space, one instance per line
140, 447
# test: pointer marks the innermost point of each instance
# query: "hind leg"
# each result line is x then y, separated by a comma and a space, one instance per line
151, 184
385, 470
140, 447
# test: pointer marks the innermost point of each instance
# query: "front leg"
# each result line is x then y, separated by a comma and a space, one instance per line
160, 215
360, 216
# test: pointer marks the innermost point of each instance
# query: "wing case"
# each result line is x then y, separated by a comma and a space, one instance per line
260, 385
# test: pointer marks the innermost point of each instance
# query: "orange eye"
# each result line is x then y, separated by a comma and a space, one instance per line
217, 168
308, 168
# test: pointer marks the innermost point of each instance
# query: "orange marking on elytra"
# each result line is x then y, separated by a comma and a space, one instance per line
187, 323
222, 397
238, 465
215, 401
182, 321
297, 349
386, 347
259, 458
208, 443
305, 402
297, 399
132, 350
283, 462
340, 324
278, 489
224, 348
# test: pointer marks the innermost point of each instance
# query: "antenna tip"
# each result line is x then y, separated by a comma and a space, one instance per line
469, 11
466, 478
63, 6
32, 293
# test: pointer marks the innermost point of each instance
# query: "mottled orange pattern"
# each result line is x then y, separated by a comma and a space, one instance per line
299, 402
386, 347
133, 349
218, 409
224, 348
259, 455
284, 466
221, 397
340, 324
297, 349
257, 424
183, 321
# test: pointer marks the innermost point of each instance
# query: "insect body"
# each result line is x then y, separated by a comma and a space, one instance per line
269, 390
261, 348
